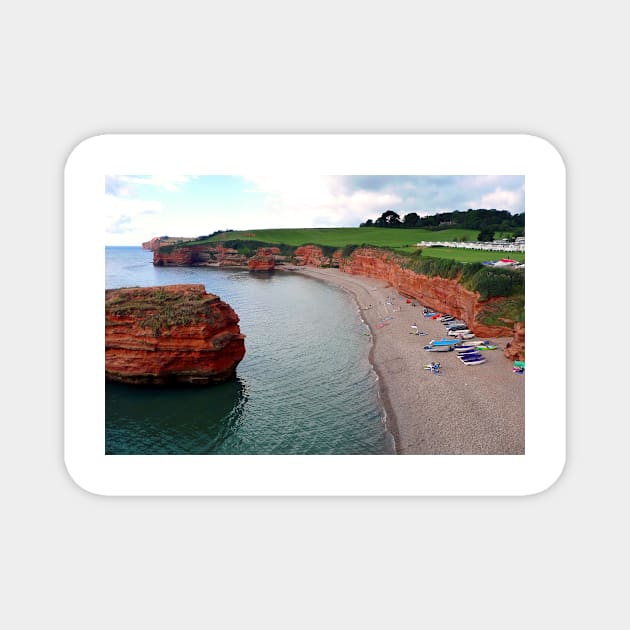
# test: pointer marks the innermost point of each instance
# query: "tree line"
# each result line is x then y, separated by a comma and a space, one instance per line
486, 221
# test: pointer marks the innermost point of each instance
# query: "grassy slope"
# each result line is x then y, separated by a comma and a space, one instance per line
399, 240
470, 255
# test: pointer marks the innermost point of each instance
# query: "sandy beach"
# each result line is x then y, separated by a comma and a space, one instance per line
462, 410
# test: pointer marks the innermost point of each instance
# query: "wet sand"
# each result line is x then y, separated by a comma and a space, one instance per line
462, 409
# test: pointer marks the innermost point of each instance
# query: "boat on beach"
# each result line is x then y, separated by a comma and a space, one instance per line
474, 361
457, 327
456, 333
445, 342
466, 356
438, 348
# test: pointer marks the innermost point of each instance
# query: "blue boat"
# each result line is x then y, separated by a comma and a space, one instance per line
445, 342
476, 361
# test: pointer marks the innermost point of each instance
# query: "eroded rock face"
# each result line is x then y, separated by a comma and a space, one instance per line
264, 259
515, 349
170, 335
311, 256
152, 244
198, 256
441, 294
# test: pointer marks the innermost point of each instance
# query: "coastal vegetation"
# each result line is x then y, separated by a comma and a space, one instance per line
481, 220
160, 309
489, 282
463, 265
331, 239
498, 312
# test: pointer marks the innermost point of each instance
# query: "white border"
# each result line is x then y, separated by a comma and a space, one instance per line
342, 154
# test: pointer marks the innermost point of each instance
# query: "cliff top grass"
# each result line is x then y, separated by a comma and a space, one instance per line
400, 241
160, 308
339, 237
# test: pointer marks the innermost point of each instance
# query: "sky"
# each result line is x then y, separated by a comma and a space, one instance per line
139, 207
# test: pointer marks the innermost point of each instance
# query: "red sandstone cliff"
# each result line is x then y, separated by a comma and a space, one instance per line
152, 244
264, 259
311, 256
515, 349
441, 294
197, 255
170, 335
158, 241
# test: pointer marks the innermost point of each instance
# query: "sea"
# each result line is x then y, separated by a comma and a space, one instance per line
304, 387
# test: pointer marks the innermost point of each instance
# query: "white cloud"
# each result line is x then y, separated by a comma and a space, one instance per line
128, 216
317, 201
170, 183
500, 199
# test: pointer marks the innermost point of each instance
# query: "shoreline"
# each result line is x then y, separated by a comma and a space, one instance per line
463, 409
391, 423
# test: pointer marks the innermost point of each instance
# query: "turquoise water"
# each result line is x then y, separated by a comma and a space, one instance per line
305, 385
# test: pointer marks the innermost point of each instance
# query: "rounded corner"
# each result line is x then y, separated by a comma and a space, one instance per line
546, 147
82, 148
547, 484
78, 482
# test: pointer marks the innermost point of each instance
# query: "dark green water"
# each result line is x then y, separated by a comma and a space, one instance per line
305, 385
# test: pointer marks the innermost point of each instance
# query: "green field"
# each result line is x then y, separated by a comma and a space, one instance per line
399, 240
338, 237
469, 255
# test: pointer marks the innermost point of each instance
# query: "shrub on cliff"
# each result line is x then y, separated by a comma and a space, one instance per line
487, 281
442, 267
502, 312
491, 282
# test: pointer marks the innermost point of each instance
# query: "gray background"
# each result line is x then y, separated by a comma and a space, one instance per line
73, 560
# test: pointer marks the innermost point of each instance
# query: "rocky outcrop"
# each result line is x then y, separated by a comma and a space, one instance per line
515, 349
311, 256
198, 256
159, 241
152, 244
229, 257
264, 259
170, 335
441, 294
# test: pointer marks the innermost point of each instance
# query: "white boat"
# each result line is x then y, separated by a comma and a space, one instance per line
457, 333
